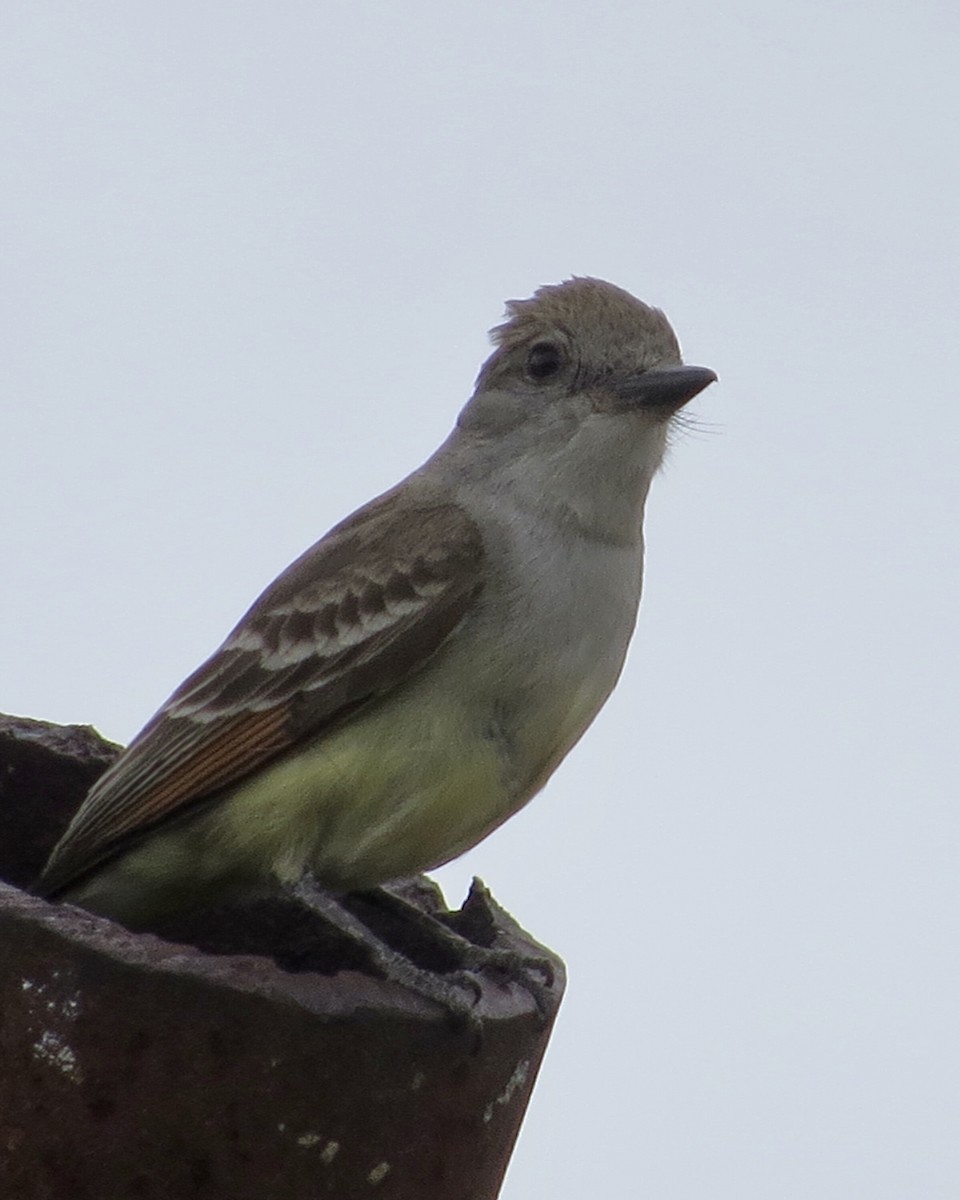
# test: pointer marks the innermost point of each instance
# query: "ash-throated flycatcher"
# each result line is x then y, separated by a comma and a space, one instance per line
418, 674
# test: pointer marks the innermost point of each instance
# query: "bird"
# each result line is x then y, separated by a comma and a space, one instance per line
417, 675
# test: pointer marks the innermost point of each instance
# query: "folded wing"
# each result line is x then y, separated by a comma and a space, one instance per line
361, 610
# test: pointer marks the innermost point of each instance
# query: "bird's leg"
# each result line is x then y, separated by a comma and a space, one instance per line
473, 938
457, 992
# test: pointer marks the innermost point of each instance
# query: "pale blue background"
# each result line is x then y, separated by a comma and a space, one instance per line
250, 252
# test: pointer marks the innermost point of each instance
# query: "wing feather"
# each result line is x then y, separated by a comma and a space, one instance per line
362, 609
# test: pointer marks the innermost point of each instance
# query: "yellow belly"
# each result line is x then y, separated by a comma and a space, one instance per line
399, 789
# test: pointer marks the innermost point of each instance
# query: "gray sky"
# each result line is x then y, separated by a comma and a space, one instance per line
250, 254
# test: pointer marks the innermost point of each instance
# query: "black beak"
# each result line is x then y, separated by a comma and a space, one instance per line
664, 389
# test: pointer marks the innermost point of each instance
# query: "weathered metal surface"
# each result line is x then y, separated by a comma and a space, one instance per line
45, 771
135, 1067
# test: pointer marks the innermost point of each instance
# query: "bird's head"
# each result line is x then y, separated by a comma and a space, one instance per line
585, 377
588, 342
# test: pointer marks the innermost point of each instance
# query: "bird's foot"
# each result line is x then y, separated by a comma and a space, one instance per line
456, 991
471, 940
405, 934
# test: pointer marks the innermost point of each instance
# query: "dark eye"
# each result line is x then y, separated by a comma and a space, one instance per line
544, 360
